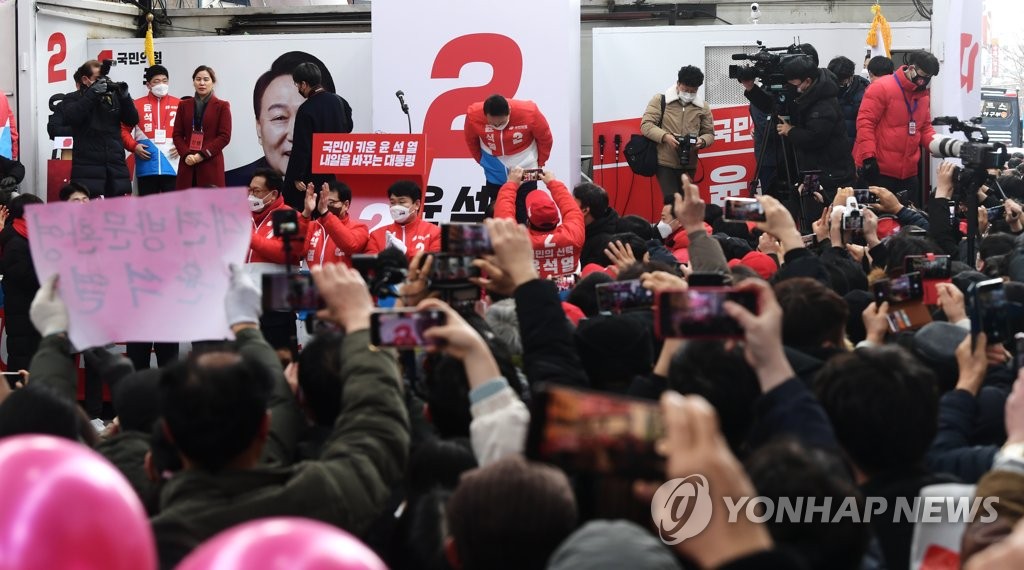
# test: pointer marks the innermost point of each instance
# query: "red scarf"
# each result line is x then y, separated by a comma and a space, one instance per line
21, 226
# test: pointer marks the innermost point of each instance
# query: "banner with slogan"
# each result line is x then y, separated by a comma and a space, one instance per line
369, 164
460, 59
143, 269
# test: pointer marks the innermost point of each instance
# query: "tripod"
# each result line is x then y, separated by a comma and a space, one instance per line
781, 144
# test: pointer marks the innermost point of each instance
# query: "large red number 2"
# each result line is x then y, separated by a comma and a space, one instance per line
57, 40
506, 60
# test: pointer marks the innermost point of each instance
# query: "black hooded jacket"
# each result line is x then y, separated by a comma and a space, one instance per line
819, 133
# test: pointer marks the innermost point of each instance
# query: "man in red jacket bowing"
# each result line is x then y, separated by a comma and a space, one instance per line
893, 123
556, 246
334, 236
409, 233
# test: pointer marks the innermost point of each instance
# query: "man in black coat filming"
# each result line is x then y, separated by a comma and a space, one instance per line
816, 129
321, 112
95, 113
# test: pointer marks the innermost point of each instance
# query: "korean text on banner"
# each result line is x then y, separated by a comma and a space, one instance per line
143, 269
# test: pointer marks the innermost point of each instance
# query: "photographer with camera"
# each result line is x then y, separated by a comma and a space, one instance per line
95, 114
816, 129
893, 124
681, 124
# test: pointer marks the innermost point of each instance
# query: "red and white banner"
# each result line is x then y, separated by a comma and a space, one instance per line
526, 50
956, 41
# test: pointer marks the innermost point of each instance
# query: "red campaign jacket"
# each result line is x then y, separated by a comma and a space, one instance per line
331, 239
556, 252
883, 122
154, 113
515, 144
265, 248
418, 235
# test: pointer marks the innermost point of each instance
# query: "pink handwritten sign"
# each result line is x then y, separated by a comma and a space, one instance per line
143, 269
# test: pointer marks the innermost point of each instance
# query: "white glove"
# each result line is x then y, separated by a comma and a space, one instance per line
393, 241
243, 302
48, 312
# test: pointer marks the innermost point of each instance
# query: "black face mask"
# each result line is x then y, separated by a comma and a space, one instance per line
920, 82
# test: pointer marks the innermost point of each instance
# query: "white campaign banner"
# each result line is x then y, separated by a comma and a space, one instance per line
254, 75
956, 41
462, 58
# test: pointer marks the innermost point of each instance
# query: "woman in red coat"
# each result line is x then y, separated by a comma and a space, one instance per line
201, 131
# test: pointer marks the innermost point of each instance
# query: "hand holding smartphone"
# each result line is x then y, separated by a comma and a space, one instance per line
698, 312
743, 210
533, 174
595, 432
403, 328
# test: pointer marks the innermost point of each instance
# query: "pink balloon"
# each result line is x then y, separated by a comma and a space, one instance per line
283, 543
62, 505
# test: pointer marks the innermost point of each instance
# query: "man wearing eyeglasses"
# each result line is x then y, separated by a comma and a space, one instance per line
893, 124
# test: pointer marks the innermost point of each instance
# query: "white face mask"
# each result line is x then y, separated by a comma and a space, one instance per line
687, 97
255, 204
664, 229
400, 214
160, 90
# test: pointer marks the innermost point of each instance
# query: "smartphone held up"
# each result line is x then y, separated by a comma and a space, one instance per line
699, 312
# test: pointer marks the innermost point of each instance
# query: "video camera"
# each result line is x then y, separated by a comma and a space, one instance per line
976, 152
113, 87
767, 64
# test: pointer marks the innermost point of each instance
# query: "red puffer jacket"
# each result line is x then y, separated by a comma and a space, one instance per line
883, 125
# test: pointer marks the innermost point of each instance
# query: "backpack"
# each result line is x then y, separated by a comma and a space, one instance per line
642, 152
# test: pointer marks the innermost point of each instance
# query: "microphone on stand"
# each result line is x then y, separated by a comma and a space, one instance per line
405, 107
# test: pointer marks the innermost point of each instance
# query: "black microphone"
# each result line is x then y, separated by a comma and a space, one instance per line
600, 146
401, 99
740, 56
618, 143
944, 121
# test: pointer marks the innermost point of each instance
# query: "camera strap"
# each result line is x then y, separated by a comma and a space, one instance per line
911, 124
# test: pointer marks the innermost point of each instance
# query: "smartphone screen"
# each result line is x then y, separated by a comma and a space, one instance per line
533, 174
939, 267
864, 196
743, 210
812, 181
907, 287
290, 292
698, 312
466, 239
619, 296
451, 268
996, 212
1019, 347
403, 328
584, 431
991, 310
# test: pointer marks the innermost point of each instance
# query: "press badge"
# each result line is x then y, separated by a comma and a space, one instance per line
196, 142
912, 128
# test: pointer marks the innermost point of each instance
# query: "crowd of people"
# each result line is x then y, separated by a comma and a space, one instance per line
422, 454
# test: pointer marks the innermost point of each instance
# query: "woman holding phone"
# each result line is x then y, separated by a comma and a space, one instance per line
201, 131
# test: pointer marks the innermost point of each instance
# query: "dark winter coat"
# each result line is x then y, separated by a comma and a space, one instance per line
98, 157
323, 112
819, 134
20, 284
849, 101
